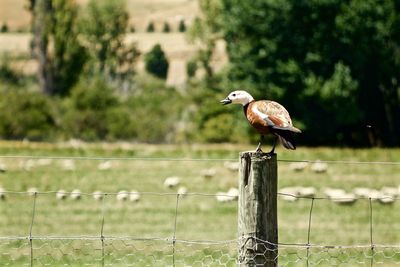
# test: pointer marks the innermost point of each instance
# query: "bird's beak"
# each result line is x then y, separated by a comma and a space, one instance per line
226, 101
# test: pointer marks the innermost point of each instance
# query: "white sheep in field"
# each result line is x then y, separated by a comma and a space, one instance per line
106, 165
172, 181
3, 167
134, 196
61, 194
44, 162
307, 192
68, 165
208, 173
224, 197
345, 199
319, 167
362, 192
289, 193
298, 166
2, 193
98, 195
122, 195
76, 194
32, 191
233, 192
182, 191
232, 166
334, 192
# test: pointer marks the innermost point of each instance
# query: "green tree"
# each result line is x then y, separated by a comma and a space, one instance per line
166, 27
4, 27
156, 62
277, 49
182, 26
103, 31
55, 44
150, 27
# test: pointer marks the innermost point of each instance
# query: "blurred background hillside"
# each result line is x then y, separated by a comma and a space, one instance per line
153, 71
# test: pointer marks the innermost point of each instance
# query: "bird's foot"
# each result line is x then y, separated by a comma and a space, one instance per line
258, 149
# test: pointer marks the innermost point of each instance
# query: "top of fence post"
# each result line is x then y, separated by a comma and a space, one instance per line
257, 219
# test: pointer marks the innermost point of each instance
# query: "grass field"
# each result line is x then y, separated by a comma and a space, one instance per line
200, 217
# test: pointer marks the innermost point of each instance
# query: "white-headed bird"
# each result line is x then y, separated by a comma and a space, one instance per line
267, 117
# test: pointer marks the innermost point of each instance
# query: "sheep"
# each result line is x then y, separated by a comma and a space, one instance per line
345, 199
61, 194
122, 195
298, 166
223, 197
289, 193
2, 193
171, 181
68, 165
76, 194
391, 191
134, 196
27, 165
232, 166
3, 167
98, 195
319, 167
307, 192
334, 192
44, 162
362, 192
386, 199
106, 165
182, 191
209, 173
32, 191
233, 192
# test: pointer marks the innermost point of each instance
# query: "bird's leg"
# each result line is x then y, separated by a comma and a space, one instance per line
258, 149
273, 146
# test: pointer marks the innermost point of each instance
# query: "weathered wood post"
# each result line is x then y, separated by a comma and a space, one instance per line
258, 220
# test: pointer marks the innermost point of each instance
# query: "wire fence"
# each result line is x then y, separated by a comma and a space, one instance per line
165, 228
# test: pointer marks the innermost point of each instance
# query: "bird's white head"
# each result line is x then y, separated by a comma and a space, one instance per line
238, 97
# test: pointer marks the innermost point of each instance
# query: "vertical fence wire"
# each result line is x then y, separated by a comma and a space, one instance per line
370, 232
31, 227
309, 230
102, 229
175, 227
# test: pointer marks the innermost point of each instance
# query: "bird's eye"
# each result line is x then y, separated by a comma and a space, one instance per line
233, 94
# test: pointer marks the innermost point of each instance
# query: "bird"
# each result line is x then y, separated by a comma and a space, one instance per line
267, 117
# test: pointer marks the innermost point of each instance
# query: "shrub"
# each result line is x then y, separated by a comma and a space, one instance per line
26, 114
191, 68
182, 26
150, 27
166, 27
156, 62
4, 27
87, 110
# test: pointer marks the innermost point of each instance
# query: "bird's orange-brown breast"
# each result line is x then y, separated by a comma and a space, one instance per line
264, 114
255, 120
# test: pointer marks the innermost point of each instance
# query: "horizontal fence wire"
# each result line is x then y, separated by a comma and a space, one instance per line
89, 158
106, 250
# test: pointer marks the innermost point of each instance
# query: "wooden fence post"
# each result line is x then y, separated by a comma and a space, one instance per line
258, 220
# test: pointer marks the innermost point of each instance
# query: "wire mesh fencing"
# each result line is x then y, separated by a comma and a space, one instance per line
168, 228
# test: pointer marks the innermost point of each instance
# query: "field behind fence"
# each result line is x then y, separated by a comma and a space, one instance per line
165, 227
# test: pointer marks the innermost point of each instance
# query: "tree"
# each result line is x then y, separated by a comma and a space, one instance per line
150, 27
166, 27
207, 31
182, 26
103, 31
156, 62
55, 44
311, 55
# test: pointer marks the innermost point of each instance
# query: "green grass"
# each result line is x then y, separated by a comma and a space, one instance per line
200, 216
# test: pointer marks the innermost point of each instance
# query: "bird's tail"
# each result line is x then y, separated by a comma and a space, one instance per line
287, 138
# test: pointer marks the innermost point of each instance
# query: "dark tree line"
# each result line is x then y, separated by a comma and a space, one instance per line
335, 64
